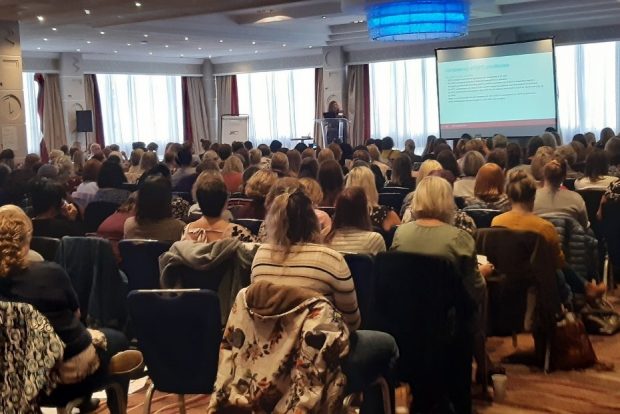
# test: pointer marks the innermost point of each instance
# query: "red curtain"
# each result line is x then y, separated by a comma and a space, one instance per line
99, 138
187, 120
366, 102
234, 99
38, 78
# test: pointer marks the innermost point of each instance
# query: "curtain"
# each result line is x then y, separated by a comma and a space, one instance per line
40, 80
225, 99
93, 103
54, 133
33, 121
319, 105
357, 106
195, 114
280, 104
146, 108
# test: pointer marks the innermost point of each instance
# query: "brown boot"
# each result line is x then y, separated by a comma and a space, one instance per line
126, 363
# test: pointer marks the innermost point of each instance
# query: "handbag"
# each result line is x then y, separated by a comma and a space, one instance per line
570, 346
600, 318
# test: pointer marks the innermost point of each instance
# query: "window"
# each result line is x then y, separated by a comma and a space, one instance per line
141, 108
280, 104
403, 101
33, 122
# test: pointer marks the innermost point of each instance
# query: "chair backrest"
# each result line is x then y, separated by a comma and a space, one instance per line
592, 199
400, 190
482, 216
96, 212
184, 195
570, 183
238, 201
522, 260
388, 236
362, 271
45, 246
611, 229
179, 337
328, 210
392, 200
459, 202
420, 300
251, 224
131, 187
140, 262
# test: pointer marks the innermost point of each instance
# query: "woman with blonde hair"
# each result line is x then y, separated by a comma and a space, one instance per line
489, 190
426, 168
380, 216
233, 173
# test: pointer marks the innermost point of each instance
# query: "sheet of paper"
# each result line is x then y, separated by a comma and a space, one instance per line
8, 137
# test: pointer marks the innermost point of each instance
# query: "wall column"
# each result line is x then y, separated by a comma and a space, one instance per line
12, 110
334, 76
208, 81
73, 95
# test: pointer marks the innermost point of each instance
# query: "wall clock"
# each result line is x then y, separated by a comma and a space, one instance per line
10, 107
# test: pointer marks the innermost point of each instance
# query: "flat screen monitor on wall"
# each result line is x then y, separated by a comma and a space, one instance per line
506, 88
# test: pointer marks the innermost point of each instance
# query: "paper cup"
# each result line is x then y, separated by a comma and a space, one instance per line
499, 386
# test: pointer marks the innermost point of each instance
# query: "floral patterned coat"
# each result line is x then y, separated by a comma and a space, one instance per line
29, 350
281, 353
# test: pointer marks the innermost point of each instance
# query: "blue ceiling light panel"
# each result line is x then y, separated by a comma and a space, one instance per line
418, 20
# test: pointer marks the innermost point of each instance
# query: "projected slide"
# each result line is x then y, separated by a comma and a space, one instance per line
508, 89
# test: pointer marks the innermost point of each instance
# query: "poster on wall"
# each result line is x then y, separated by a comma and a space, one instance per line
234, 128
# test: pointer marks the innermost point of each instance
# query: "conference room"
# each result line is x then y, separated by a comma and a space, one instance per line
399, 206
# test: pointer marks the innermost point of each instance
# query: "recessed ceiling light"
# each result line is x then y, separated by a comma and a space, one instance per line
138, 4
102, 33
253, 43
38, 47
323, 17
116, 51
86, 11
182, 55
166, 46
230, 50
45, 39
40, 18
128, 44
150, 53
77, 50
186, 38
146, 35
256, 51
221, 41
283, 44
310, 47
199, 48
89, 42
54, 29
209, 56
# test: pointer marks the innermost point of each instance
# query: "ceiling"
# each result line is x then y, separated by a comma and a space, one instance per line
232, 30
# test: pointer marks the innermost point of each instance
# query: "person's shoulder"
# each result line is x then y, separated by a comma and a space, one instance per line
49, 270
130, 223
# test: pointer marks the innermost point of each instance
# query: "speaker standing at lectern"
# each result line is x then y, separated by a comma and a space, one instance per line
336, 125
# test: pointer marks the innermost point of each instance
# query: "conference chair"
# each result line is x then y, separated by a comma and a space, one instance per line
482, 216
400, 190
329, 210
611, 229
362, 271
45, 246
131, 187
140, 262
392, 200
569, 183
96, 212
388, 236
459, 202
187, 196
179, 333
420, 300
251, 224
592, 199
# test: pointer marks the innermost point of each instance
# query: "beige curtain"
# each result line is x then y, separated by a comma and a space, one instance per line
89, 91
319, 97
198, 113
356, 105
224, 90
54, 132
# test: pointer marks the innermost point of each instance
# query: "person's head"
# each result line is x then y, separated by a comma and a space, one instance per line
401, 172
606, 134
360, 154
31, 160
498, 156
205, 144
555, 173
148, 160
138, 145
91, 170
279, 164
331, 179
580, 138
612, 148
15, 236
351, 212
440, 147
567, 153
336, 150
448, 161
513, 155
248, 145
590, 139
65, 167
410, 145
258, 186
308, 153
425, 169
387, 143
597, 165
255, 156
211, 156
46, 196
433, 199
275, 146
364, 177
224, 151
309, 168
208, 165
326, 154
333, 107
184, 157
54, 155
489, 182
264, 150
521, 188
152, 147
211, 194
459, 148
430, 145
154, 200
111, 175
549, 140
312, 189
294, 161
48, 171
236, 146
500, 141
540, 159
533, 144
232, 165
135, 157
472, 162
374, 153
95, 148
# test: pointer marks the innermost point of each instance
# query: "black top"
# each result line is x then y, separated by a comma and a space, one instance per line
56, 228
47, 287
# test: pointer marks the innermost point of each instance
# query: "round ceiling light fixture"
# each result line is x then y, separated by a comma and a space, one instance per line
418, 20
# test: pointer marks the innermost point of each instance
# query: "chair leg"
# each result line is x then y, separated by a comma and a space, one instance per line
385, 394
547, 354
120, 396
181, 403
148, 399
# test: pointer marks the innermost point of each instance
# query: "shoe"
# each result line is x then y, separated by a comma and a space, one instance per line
126, 363
492, 370
89, 406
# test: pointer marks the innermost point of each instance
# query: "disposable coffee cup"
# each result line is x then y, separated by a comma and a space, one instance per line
499, 386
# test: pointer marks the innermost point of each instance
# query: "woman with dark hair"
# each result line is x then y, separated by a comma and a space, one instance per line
596, 174
110, 182
448, 161
401, 174
87, 190
430, 146
513, 155
294, 162
489, 190
472, 161
309, 168
532, 147
552, 198
212, 196
612, 148
331, 179
351, 229
53, 216
153, 219
606, 134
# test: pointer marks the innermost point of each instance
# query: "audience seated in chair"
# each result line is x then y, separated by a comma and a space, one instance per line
52, 215
256, 189
401, 174
596, 174
489, 190
312, 189
331, 179
86, 191
110, 182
